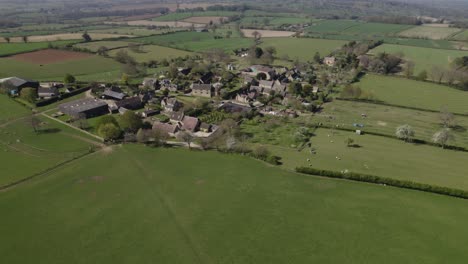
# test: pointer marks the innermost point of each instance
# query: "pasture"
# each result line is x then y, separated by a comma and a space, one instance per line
205, 19
127, 30
95, 45
302, 48
424, 58
185, 15
121, 206
16, 48
463, 36
89, 65
429, 32
424, 95
65, 36
24, 152
332, 26
9, 109
379, 156
153, 52
385, 119
172, 24
249, 33
375, 29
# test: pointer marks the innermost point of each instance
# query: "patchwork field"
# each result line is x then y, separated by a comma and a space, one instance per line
185, 15
153, 52
429, 32
248, 33
29, 65
385, 120
127, 30
158, 23
463, 36
205, 20
332, 26
424, 58
302, 48
273, 21
195, 41
404, 92
183, 201
15, 48
95, 45
375, 29
49, 56
64, 36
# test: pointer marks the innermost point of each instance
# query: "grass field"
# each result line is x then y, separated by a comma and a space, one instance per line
332, 26
24, 152
248, 33
9, 109
139, 205
302, 48
429, 32
95, 45
463, 36
15, 48
273, 21
153, 52
400, 91
424, 58
385, 119
195, 41
65, 36
185, 15
375, 29
380, 156
90, 65
132, 31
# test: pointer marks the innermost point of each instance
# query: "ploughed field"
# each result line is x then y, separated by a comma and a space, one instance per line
138, 204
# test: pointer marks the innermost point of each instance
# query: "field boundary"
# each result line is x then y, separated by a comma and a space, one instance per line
403, 184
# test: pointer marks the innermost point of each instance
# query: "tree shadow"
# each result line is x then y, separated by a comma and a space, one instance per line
459, 128
49, 131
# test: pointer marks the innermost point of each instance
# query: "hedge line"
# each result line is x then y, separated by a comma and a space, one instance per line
416, 141
393, 105
386, 181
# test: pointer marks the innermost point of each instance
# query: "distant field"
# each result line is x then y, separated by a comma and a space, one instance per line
463, 36
385, 119
184, 200
332, 26
89, 65
400, 91
127, 30
153, 52
184, 15
20, 146
95, 45
195, 41
424, 58
248, 33
172, 24
273, 21
302, 48
377, 29
14, 48
429, 32
205, 19
380, 156
65, 36
50, 56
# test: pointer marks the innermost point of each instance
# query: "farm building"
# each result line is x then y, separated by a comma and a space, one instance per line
110, 94
132, 103
203, 90
170, 104
150, 82
86, 107
43, 92
190, 123
176, 117
166, 128
18, 83
330, 61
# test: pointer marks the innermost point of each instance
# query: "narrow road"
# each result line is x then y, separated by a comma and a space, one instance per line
81, 130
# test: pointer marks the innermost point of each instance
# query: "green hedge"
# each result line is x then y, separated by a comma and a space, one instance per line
385, 181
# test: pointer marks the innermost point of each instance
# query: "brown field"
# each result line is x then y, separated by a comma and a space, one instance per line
49, 56
172, 7
204, 20
174, 24
64, 36
267, 33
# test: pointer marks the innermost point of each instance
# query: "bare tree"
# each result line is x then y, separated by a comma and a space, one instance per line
405, 132
442, 137
437, 74
257, 35
186, 137
447, 119
409, 69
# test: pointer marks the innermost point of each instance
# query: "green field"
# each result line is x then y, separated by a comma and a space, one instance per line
95, 45
195, 41
332, 26
183, 15
429, 32
302, 48
424, 58
140, 205
15, 48
136, 31
385, 119
153, 52
10, 109
273, 21
90, 65
425, 95
375, 29
24, 152
463, 36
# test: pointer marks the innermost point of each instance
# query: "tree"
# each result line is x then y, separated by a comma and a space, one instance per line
230, 126
185, 137
231, 143
130, 121
124, 79
317, 58
447, 119
69, 79
409, 69
261, 152
422, 76
349, 142
28, 94
34, 122
7, 39
257, 35
109, 131
86, 37
405, 132
141, 136
442, 137
25, 39
437, 74
302, 135
107, 119
103, 51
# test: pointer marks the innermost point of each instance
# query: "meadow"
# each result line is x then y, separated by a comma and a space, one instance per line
273, 21
132, 31
332, 26
463, 36
10, 109
429, 32
185, 15
153, 52
410, 93
95, 45
375, 29
139, 205
424, 58
385, 119
90, 65
302, 48
7, 49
